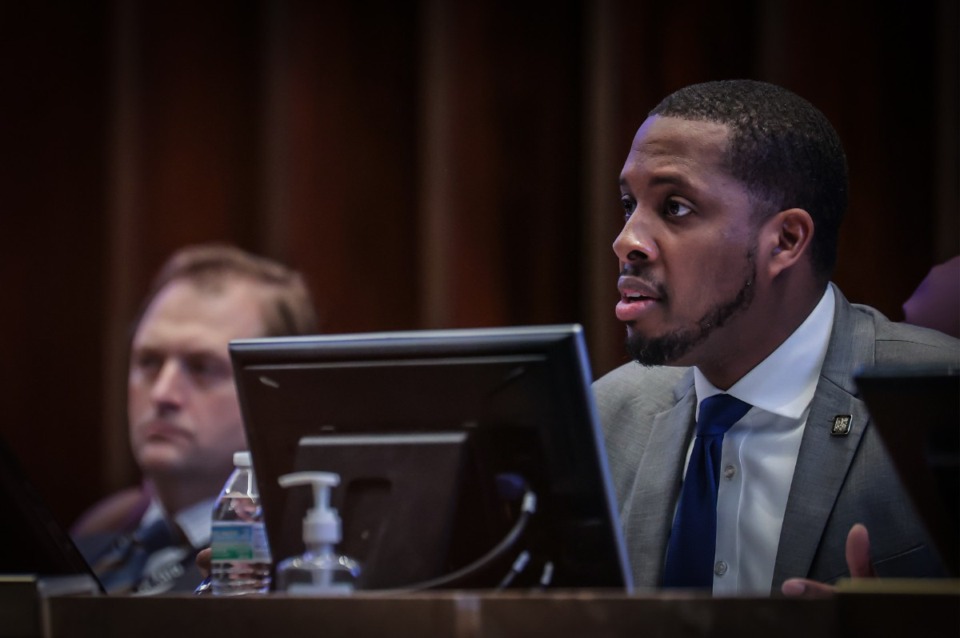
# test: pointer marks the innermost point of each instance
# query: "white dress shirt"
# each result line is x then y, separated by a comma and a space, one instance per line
194, 521
164, 566
760, 453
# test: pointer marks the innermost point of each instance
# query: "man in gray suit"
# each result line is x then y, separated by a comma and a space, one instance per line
733, 194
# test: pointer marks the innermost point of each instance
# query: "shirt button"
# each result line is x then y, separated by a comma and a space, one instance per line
720, 568
729, 472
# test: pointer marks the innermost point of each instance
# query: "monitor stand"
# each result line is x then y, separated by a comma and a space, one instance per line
413, 506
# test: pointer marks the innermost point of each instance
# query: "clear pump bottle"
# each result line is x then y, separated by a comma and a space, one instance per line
320, 570
240, 554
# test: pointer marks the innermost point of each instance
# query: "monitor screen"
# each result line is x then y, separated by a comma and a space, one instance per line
31, 539
468, 458
916, 409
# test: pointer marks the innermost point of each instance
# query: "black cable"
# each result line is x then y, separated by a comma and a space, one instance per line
546, 577
527, 510
518, 566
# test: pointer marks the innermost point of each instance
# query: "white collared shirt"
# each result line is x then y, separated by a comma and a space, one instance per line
194, 521
760, 453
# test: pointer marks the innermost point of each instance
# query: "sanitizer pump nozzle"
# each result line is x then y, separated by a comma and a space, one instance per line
320, 570
321, 525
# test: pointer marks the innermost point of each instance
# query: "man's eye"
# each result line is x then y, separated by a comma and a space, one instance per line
207, 369
629, 205
148, 362
677, 209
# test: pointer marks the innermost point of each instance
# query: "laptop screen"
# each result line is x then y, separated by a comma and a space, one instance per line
31, 539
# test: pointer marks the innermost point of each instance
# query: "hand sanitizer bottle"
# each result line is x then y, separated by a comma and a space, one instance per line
319, 570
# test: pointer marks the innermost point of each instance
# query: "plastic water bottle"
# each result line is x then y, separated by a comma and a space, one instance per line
240, 562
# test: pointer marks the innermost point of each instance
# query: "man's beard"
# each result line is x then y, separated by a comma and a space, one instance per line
662, 350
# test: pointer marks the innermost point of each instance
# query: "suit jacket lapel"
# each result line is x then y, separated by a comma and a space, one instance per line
824, 459
649, 516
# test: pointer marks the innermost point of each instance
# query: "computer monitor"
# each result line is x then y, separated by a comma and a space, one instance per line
32, 541
916, 409
440, 438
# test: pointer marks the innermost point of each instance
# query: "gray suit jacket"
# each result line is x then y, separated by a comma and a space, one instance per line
648, 419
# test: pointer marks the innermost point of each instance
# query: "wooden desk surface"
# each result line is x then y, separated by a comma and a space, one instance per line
475, 615
54, 608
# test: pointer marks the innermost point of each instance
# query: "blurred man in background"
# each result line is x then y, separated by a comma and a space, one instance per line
184, 417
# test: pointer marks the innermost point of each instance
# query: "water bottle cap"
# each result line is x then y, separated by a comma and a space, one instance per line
241, 459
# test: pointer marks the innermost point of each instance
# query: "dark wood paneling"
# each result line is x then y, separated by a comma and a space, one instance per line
504, 187
348, 111
881, 94
52, 170
424, 163
197, 123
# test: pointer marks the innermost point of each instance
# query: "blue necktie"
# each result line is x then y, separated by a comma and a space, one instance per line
693, 539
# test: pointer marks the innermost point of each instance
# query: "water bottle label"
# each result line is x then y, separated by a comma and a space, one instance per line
239, 542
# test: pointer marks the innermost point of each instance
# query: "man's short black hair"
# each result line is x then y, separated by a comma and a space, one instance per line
782, 148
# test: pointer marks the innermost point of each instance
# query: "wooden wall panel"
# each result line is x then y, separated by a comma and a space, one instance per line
501, 197
881, 95
198, 117
52, 167
346, 104
426, 164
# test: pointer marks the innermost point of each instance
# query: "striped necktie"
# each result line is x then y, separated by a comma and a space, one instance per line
121, 567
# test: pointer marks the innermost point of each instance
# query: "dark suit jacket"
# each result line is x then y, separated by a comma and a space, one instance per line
119, 515
648, 419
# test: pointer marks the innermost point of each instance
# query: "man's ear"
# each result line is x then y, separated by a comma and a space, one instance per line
786, 238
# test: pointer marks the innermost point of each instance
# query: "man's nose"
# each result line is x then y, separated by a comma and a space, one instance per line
635, 243
169, 384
